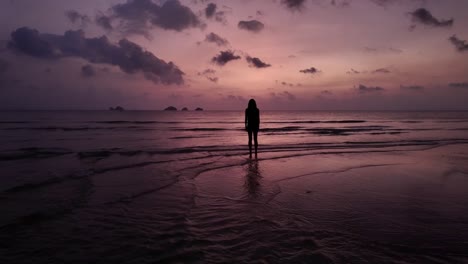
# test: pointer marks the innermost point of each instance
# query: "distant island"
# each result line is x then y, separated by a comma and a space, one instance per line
117, 108
185, 109
170, 108
199, 109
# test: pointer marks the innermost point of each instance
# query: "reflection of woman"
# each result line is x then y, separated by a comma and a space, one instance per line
252, 179
252, 123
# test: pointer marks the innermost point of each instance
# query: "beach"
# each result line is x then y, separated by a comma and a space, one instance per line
159, 187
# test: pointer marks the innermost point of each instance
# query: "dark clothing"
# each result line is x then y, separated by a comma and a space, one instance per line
252, 119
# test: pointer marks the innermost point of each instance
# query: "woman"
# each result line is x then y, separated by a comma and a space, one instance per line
252, 123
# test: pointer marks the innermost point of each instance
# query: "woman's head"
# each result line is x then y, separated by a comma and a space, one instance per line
252, 104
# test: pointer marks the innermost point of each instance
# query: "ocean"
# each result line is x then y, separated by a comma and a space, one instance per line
180, 187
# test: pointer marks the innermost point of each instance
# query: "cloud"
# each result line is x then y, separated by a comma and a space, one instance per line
214, 38
104, 22
423, 16
326, 92
139, 16
289, 95
210, 13
256, 62
251, 25
293, 4
224, 57
287, 84
284, 94
412, 88
381, 70
369, 89
128, 56
459, 44
74, 17
341, 3
210, 10
311, 70
4, 65
459, 85
353, 71
88, 71
209, 74
383, 2
382, 50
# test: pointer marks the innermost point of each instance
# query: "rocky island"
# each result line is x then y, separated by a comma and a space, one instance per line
170, 108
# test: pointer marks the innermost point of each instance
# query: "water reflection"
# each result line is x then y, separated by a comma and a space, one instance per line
252, 178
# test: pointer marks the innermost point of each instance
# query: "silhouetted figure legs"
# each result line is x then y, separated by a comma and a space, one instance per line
250, 141
255, 133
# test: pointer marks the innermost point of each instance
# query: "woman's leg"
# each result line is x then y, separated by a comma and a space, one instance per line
255, 133
250, 141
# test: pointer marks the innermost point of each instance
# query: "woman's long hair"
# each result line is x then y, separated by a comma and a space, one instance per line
252, 104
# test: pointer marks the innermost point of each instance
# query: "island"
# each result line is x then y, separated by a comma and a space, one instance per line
199, 109
170, 108
117, 108
185, 109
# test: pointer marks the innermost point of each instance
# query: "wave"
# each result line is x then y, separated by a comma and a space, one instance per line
201, 129
66, 129
37, 153
317, 122
134, 122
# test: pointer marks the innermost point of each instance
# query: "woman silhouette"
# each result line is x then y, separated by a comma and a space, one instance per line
252, 124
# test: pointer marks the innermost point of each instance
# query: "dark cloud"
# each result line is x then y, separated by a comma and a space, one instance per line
311, 70
209, 74
207, 71
289, 95
353, 71
212, 13
74, 17
174, 16
214, 38
138, 16
369, 89
130, 57
213, 79
88, 71
423, 16
326, 92
412, 87
210, 10
293, 4
459, 85
224, 57
256, 62
251, 25
381, 70
104, 22
459, 44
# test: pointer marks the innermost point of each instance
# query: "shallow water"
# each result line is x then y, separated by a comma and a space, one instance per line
153, 186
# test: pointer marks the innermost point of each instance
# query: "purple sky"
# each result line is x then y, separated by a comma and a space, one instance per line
288, 55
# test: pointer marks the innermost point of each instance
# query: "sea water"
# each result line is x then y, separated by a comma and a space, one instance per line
159, 186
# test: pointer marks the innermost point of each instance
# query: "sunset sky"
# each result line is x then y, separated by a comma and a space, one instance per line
215, 54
